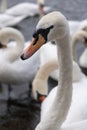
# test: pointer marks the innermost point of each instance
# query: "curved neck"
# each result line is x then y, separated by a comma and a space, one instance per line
14, 52
3, 6
46, 69
40, 82
74, 44
79, 36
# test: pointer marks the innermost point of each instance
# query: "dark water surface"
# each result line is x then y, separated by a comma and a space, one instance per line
27, 117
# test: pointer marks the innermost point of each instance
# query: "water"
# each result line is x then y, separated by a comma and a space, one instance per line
27, 117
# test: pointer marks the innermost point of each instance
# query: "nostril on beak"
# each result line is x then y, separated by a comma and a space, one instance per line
22, 57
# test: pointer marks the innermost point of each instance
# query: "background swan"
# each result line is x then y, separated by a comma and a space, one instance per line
76, 25
54, 113
8, 20
13, 70
80, 36
40, 82
25, 9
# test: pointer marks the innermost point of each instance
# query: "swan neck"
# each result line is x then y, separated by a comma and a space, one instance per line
63, 96
74, 44
65, 61
46, 69
14, 52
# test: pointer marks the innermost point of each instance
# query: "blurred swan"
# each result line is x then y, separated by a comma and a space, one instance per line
76, 25
41, 5
80, 36
8, 20
46, 51
25, 9
13, 70
40, 85
60, 108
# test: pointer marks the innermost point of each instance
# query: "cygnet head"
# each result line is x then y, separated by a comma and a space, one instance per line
51, 27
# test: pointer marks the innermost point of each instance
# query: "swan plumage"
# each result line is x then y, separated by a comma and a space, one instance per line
46, 51
80, 35
8, 20
55, 27
40, 85
25, 9
13, 69
83, 59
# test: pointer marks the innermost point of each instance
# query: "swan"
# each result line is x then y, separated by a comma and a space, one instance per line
13, 70
3, 6
39, 84
77, 25
8, 20
46, 50
41, 5
80, 36
25, 9
60, 102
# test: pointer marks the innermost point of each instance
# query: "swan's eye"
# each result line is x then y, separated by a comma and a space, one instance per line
53, 42
36, 39
43, 32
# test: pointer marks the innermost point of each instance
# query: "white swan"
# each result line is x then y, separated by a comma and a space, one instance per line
55, 107
25, 9
41, 4
13, 70
40, 85
46, 51
8, 20
81, 35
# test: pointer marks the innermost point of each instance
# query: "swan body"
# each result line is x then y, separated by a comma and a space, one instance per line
13, 69
25, 9
54, 27
77, 110
8, 20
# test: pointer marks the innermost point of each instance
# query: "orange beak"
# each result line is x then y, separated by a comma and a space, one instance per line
42, 98
32, 48
2, 46
85, 43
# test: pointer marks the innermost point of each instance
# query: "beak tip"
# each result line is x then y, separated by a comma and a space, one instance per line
22, 57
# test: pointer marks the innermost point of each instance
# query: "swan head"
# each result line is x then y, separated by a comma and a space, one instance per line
81, 36
9, 33
51, 27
